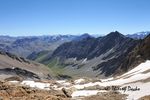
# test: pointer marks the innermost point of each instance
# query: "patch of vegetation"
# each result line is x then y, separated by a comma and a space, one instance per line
56, 67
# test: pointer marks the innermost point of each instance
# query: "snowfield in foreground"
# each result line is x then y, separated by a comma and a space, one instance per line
133, 78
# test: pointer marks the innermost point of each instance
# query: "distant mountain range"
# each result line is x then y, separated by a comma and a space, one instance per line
24, 46
139, 35
85, 55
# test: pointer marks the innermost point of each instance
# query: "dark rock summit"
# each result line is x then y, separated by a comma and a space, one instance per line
90, 47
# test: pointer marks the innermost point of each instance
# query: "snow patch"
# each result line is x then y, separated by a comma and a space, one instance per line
84, 60
61, 81
36, 84
82, 93
108, 79
78, 81
14, 82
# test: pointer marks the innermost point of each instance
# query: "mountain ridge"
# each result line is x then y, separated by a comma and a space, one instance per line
11, 65
102, 56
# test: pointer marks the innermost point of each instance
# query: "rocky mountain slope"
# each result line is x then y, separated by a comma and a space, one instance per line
92, 56
138, 55
43, 55
11, 65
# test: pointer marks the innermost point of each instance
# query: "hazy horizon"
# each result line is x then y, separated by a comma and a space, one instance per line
52, 17
95, 35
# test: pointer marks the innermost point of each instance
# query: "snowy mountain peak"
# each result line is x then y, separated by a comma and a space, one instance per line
139, 35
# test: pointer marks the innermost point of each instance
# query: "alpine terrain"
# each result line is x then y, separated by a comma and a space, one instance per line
111, 67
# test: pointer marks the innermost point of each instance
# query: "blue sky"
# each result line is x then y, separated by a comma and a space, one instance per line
46, 17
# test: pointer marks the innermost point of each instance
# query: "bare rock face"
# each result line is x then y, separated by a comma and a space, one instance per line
138, 55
